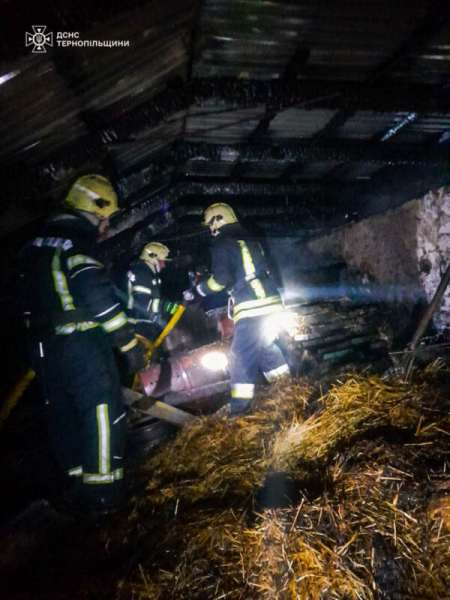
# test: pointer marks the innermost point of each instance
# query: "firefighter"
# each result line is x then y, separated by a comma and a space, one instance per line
239, 264
74, 322
146, 309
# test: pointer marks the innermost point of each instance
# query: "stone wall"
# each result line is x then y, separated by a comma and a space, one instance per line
433, 247
403, 251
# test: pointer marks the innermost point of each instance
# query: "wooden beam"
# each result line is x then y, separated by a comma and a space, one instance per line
156, 409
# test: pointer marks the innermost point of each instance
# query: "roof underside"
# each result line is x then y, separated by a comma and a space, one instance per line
319, 105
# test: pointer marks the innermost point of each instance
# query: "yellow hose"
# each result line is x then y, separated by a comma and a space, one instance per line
15, 395
170, 325
20, 387
151, 347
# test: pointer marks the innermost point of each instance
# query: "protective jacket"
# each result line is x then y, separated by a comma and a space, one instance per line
144, 302
74, 318
239, 264
65, 287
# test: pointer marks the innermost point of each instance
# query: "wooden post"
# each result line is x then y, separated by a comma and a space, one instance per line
158, 409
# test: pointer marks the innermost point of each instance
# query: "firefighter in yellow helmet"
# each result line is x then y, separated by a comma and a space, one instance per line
74, 321
239, 265
145, 306
155, 255
94, 197
217, 215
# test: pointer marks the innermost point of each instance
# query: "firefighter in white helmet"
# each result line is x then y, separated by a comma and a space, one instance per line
239, 265
145, 306
74, 321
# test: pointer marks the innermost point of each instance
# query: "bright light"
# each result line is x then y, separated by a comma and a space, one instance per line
275, 323
8, 76
214, 361
271, 327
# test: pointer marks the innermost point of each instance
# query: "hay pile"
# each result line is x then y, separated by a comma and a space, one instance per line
349, 503
213, 458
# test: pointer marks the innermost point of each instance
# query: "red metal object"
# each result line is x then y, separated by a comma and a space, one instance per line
187, 372
225, 326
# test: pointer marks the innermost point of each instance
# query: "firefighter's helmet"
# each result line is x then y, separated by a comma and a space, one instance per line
93, 194
154, 254
217, 215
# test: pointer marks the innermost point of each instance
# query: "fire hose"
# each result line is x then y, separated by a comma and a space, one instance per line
21, 386
15, 395
151, 347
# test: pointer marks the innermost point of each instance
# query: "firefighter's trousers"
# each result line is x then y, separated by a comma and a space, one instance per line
85, 413
252, 351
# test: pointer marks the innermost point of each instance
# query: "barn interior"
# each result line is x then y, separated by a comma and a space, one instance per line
326, 126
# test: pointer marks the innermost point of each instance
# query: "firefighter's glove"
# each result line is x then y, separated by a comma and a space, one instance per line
134, 355
188, 296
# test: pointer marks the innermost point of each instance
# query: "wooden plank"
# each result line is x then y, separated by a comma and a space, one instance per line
130, 397
158, 409
165, 412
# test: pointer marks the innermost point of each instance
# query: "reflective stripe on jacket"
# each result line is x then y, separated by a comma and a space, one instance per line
65, 286
239, 264
144, 302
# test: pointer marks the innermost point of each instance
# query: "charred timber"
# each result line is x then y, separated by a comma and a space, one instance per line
277, 95
337, 338
352, 343
232, 94
284, 154
151, 215
145, 205
287, 153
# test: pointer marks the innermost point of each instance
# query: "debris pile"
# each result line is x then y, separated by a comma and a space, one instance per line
348, 502
330, 333
319, 494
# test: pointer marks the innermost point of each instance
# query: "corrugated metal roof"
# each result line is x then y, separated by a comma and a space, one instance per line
59, 112
219, 124
317, 169
366, 124
50, 99
298, 123
430, 64
208, 169
348, 40
37, 109
263, 170
149, 144
423, 128
361, 171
